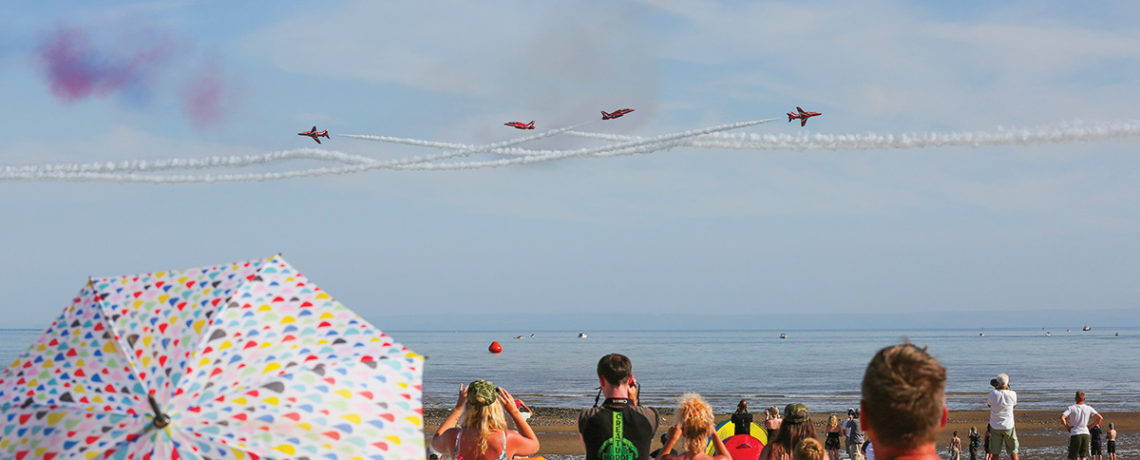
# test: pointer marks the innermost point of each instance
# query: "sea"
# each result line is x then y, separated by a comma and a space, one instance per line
820, 368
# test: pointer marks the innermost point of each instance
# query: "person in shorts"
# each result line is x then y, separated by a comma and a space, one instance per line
1002, 400
1095, 433
1110, 439
855, 437
1076, 419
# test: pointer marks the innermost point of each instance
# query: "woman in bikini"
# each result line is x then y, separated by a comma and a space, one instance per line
483, 435
695, 423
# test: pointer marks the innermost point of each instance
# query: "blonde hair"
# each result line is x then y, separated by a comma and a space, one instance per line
809, 449
832, 422
696, 419
482, 420
773, 412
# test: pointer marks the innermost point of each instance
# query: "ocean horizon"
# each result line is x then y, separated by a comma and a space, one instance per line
822, 368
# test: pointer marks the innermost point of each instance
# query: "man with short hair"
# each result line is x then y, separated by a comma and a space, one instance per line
620, 429
1002, 400
854, 436
904, 403
1076, 420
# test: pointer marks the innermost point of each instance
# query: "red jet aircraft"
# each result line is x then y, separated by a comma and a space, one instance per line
521, 125
313, 133
803, 116
616, 114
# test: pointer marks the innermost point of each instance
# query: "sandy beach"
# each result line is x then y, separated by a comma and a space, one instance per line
1039, 432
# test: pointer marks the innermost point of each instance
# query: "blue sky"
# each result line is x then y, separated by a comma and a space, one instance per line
665, 236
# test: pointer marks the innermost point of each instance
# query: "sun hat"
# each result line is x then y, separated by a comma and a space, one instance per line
481, 393
795, 413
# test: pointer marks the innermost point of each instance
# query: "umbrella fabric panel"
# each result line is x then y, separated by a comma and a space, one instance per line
248, 360
65, 431
262, 354
277, 321
161, 316
338, 410
76, 361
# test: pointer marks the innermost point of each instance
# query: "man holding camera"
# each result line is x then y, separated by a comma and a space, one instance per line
619, 429
1002, 400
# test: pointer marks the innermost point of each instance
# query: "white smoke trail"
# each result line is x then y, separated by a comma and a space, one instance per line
231, 161
625, 145
640, 145
408, 141
1060, 134
466, 149
107, 171
366, 164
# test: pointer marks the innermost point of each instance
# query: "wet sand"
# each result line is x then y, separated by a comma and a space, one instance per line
1039, 432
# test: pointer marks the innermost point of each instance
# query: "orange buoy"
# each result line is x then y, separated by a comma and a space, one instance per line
495, 347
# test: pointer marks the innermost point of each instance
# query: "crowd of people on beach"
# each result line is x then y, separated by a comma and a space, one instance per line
902, 409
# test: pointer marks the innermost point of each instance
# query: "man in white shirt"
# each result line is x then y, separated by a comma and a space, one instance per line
1002, 400
1076, 420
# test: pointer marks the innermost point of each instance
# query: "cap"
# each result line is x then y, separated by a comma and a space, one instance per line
795, 413
481, 393
1002, 379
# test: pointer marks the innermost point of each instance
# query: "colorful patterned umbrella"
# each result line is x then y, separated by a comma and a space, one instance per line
241, 361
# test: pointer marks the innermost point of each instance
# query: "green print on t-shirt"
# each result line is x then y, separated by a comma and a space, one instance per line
617, 447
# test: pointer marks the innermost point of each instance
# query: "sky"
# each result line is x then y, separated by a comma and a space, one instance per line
975, 236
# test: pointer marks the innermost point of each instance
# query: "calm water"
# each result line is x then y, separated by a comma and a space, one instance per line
820, 368
823, 369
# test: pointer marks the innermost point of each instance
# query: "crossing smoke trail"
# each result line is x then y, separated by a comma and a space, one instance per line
471, 149
102, 169
629, 147
365, 164
1061, 134
624, 145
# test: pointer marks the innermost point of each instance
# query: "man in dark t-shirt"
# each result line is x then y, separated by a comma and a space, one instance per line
619, 429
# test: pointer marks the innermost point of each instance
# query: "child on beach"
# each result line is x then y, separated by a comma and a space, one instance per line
695, 422
810, 449
483, 435
1110, 437
955, 447
772, 421
975, 441
1094, 441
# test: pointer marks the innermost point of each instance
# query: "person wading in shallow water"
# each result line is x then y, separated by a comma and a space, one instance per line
619, 429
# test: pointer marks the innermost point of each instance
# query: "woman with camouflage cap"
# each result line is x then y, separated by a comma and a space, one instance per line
483, 435
796, 426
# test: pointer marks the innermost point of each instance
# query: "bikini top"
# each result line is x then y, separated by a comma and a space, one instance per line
502, 456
